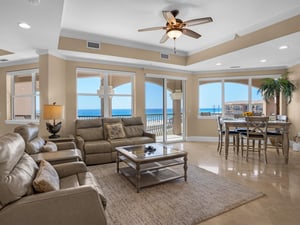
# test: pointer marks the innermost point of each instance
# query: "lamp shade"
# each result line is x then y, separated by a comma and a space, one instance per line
53, 112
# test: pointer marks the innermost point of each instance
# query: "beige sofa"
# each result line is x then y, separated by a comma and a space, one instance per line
97, 138
76, 200
39, 149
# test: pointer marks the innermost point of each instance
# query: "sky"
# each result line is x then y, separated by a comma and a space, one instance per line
91, 85
209, 94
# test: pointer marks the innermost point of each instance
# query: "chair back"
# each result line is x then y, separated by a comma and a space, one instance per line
30, 133
282, 118
219, 124
257, 127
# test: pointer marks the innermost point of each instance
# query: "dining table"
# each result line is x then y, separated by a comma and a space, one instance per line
283, 126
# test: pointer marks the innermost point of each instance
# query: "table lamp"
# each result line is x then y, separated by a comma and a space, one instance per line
53, 112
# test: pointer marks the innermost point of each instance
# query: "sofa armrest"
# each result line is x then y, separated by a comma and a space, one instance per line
76, 206
79, 142
153, 136
65, 145
67, 169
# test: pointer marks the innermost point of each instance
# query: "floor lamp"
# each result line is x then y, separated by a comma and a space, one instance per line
53, 112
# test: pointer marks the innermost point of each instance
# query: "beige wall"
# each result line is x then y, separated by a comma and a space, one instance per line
294, 106
58, 83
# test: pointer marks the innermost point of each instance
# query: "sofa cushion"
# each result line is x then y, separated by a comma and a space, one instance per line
92, 147
35, 145
81, 124
28, 131
46, 179
141, 140
49, 147
80, 179
120, 142
91, 134
133, 126
131, 121
89, 179
134, 131
69, 182
17, 169
115, 131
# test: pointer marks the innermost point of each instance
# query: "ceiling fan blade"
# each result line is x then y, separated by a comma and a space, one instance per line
152, 28
194, 22
190, 33
164, 38
175, 12
169, 17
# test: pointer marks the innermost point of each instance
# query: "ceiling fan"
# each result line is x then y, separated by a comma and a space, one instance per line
175, 27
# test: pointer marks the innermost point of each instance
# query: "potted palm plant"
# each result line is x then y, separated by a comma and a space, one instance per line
271, 88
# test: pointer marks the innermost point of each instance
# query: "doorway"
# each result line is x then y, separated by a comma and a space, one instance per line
165, 107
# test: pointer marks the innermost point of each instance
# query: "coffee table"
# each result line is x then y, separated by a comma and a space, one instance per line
149, 164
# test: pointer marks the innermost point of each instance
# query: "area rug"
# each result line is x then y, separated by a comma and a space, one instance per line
203, 196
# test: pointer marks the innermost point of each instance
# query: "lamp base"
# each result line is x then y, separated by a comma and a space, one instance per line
53, 129
54, 136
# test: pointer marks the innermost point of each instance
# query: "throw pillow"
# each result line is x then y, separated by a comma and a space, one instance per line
49, 147
46, 179
115, 130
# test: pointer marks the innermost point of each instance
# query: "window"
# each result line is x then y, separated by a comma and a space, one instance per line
102, 93
230, 96
24, 95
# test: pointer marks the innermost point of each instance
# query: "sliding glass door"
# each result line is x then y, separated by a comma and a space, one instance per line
165, 108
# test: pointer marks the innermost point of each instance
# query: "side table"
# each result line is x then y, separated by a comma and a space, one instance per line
68, 138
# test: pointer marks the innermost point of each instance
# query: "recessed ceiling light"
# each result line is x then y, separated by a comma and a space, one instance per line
218, 64
34, 2
283, 47
24, 25
263, 60
3, 60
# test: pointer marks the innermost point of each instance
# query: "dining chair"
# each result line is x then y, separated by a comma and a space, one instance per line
256, 130
276, 136
221, 134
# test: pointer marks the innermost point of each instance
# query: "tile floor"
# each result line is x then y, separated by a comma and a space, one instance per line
279, 181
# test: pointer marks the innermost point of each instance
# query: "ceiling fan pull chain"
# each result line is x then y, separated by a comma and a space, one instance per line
174, 45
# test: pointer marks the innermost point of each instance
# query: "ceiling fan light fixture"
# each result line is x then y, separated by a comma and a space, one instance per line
174, 33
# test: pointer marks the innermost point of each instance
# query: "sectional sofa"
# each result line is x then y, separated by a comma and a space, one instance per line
41, 193
97, 138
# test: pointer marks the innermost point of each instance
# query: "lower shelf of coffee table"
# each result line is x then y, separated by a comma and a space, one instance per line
150, 178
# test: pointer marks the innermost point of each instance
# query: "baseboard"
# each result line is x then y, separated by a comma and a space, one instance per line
201, 139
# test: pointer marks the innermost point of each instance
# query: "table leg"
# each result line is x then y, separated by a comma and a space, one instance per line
285, 144
118, 162
138, 178
226, 141
185, 168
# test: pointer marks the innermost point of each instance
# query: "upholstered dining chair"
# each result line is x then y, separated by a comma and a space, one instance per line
221, 134
256, 130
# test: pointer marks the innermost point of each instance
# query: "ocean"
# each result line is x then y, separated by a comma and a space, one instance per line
118, 112
127, 112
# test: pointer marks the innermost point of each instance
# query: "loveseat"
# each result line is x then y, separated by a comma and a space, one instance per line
97, 138
40, 149
44, 194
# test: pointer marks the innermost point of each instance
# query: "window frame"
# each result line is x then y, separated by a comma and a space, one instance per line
12, 96
105, 83
222, 80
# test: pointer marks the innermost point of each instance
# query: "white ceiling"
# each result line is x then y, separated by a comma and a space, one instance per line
116, 21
